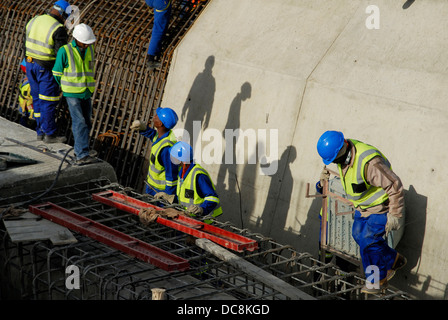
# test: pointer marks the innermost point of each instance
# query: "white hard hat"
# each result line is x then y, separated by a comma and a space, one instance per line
84, 34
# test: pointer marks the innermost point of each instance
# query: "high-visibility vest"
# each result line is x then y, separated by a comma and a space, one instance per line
79, 75
25, 98
156, 172
39, 41
187, 194
358, 191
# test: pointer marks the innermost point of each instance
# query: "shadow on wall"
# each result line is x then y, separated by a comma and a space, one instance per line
411, 245
227, 184
274, 214
199, 103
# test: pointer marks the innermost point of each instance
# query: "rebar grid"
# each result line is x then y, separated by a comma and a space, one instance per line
125, 89
37, 269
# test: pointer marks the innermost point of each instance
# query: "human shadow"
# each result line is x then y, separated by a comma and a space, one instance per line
228, 164
199, 102
279, 195
407, 4
411, 243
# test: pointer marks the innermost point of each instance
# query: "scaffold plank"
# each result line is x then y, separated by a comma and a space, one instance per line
111, 237
182, 223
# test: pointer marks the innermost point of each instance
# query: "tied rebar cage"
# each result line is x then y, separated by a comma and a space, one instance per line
39, 269
125, 89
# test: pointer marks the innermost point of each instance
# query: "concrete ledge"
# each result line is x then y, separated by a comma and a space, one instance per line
24, 179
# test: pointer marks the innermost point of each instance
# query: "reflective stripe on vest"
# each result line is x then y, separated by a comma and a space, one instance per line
358, 191
79, 75
156, 172
39, 41
186, 191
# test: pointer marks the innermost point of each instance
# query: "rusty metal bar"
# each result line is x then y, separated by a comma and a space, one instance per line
185, 224
113, 238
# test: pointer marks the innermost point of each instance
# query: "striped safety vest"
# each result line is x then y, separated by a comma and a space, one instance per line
25, 99
39, 41
79, 75
156, 172
358, 191
187, 195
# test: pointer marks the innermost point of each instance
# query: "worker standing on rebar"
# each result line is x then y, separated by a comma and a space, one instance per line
74, 71
195, 189
377, 194
44, 35
162, 14
161, 181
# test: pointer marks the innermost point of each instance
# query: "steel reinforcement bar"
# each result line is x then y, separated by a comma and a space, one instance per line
125, 89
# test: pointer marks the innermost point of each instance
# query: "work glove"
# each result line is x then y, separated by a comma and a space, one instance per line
138, 125
393, 223
165, 196
324, 175
195, 209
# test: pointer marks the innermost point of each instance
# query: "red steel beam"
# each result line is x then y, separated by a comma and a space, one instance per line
182, 223
113, 238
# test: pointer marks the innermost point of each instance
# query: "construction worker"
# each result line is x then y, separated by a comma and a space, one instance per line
195, 189
74, 71
162, 13
26, 100
45, 34
162, 173
376, 192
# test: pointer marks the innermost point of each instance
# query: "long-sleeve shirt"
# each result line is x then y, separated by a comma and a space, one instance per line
378, 174
62, 63
171, 169
204, 188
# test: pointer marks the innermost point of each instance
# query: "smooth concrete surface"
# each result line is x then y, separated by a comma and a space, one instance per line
25, 179
296, 68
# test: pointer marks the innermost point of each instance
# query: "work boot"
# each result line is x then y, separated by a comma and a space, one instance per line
40, 137
152, 63
54, 139
400, 262
375, 289
86, 160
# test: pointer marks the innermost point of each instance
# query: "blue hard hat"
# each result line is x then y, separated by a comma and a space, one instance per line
167, 116
61, 6
329, 145
182, 151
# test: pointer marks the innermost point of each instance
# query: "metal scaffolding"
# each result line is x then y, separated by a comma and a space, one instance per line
38, 269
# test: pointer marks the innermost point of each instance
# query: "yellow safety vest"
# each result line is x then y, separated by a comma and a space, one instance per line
39, 41
156, 172
187, 195
358, 191
79, 75
25, 98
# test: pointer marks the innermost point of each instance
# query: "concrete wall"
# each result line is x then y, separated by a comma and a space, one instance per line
284, 72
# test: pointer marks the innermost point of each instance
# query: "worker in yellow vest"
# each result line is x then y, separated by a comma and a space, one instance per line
195, 189
161, 180
45, 34
26, 100
74, 71
377, 194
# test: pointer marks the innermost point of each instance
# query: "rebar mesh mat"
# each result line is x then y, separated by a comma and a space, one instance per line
38, 269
